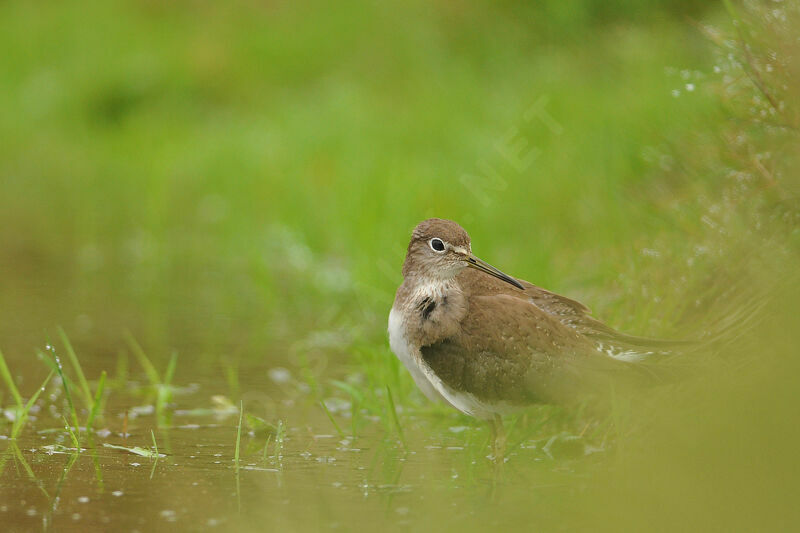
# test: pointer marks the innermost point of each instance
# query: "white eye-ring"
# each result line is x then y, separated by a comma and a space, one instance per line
437, 245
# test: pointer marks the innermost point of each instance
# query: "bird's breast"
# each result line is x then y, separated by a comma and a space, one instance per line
433, 312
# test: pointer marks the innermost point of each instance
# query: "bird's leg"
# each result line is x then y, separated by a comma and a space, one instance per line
499, 438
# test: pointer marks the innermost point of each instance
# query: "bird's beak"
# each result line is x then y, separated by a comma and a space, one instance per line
483, 266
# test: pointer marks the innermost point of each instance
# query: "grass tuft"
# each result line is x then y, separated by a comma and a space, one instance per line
22, 414
76, 366
96, 402
238, 435
155, 444
72, 434
144, 361
9, 381
67, 394
393, 412
330, 417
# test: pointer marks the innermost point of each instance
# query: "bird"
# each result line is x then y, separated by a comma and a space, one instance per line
489, 344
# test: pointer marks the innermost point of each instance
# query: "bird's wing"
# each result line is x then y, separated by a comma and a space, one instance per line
578, 317
607, 339
509, 350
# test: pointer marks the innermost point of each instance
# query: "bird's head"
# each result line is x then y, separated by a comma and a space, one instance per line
440, 249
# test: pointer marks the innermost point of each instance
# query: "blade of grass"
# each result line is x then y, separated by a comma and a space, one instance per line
136, 450
149, 369
330, 417
76, 366
121, 372
170, 372
164, 391
232, 377
266, 448
50, 362
355, 405
153, 469
72, 435
10, 381
47, 360
98, 399
65, 383
238, 435
393, 412
19, 423
349, 389
155, 444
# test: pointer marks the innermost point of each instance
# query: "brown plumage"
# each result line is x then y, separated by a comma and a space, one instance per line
487, 343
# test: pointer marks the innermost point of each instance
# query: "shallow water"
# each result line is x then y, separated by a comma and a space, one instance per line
317, 479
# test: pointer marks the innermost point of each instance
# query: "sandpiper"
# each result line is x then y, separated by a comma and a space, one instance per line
489, 344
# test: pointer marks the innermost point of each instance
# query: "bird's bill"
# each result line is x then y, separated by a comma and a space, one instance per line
483, 266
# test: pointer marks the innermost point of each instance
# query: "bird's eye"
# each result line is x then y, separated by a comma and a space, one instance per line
437, 245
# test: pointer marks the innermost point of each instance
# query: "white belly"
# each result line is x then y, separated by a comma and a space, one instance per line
409, 355
426, 380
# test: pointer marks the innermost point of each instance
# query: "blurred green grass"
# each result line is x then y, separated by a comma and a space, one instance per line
257, 168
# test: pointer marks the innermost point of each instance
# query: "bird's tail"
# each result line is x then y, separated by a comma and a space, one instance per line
631, 348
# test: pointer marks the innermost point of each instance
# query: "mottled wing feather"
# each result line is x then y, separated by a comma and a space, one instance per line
513, 360
609, 340
540, 345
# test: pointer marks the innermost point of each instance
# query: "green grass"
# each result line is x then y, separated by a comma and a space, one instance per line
332, 419
161, 385
22, 408
233, 153
393, 414
136, 450
76, 366
74, 431
96, 402
155, 444
238, 436
9, 381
